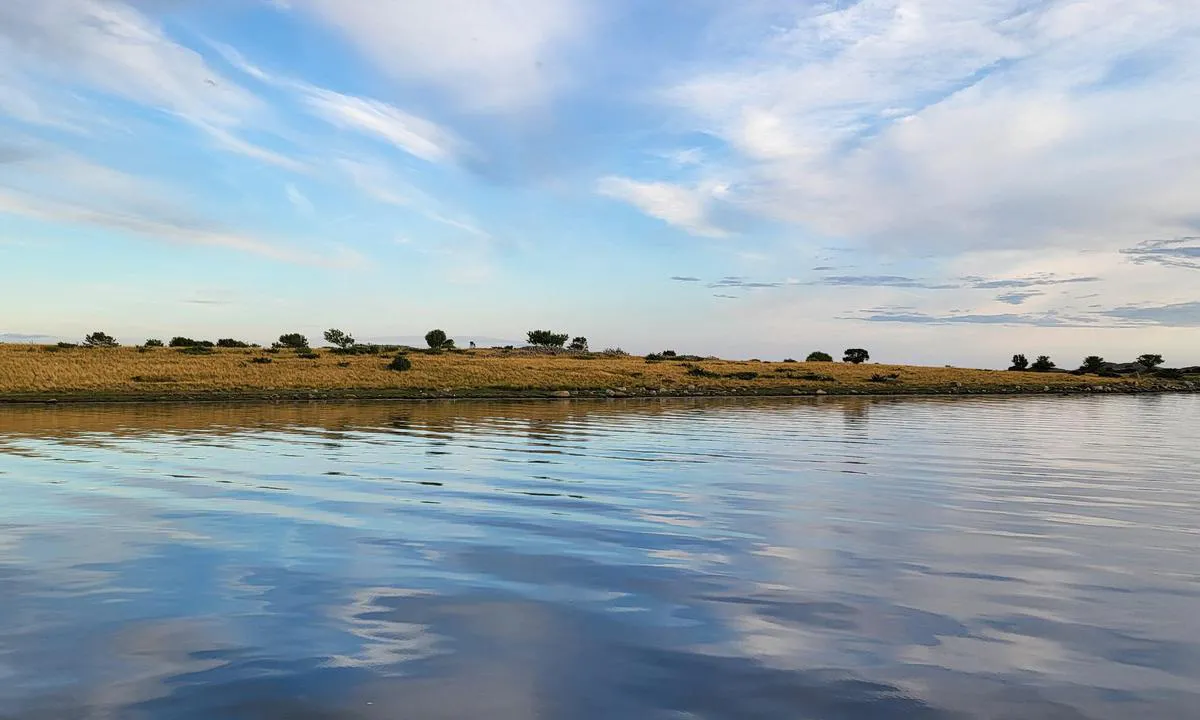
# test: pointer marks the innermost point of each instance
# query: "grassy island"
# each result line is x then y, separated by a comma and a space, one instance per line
33, 373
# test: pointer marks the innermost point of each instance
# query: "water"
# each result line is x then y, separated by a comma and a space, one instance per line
917, 558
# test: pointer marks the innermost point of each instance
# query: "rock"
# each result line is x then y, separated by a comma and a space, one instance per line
561, 394
691, 388
822, 392
1045, 388
610, 392
621, 389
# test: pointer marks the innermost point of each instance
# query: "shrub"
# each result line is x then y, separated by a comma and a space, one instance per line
308, 355
180, 342
337, 338
231, 343
654, 357
578, 344
546, 338
1042, 364
153, 342
856, 356
668, 353
697, 371
742, 375
196, 350
400, 363
789, 360
436, 339
885, 378
1149, 361
261, 360
818, 356
1169, 373
99, 339
294, 341
1092, 364
344, 364
1019, 362
816, 377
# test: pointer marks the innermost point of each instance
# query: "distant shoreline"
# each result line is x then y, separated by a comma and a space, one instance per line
32, 374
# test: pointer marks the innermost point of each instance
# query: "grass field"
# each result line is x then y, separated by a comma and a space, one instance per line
38, 373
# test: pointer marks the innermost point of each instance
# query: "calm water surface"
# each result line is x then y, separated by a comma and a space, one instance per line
957, 558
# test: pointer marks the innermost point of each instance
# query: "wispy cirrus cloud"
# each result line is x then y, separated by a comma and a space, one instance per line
688, 207
1182, 252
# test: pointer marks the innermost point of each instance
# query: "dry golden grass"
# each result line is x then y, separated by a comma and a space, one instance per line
35, 372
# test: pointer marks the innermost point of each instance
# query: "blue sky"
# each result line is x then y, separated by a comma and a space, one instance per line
940, 181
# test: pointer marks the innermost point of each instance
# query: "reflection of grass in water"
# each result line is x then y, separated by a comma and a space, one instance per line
31, 371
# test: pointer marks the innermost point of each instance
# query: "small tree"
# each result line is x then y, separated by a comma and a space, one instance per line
818, 356
1042, 364
1092, 364
856, 356
295, 341
339, 339
578, 344
547, 338
1149, 361
99, 339
1019, 362
435, 338
232, 343
153, 342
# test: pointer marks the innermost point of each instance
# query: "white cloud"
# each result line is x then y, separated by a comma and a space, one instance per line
379, 182
111, 47
957, 124
414, 135
492, 55
685, 207
298, 199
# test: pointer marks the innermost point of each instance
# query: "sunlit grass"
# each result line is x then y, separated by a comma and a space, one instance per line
30, 371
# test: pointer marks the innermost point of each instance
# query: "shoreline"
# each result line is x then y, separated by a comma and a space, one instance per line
567, 395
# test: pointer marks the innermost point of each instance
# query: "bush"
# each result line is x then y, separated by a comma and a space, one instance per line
307, 355
436, 339
231, 343
818, 356
66, 345
1042, 364
546, 338
789, 360
196, 350
669, 353
181, 342
885, 378
696, 371
1019, 362
153, 342
578, 344
1149, 361
743, 375
1092, 364
337, 338
654, 357
400, 363
856, 356
261, 360
1169, 373
614, 352
294, 341
99, 339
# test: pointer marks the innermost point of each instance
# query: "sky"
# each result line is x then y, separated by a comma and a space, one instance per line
938, 181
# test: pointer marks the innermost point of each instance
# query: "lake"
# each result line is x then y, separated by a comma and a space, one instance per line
1017, 558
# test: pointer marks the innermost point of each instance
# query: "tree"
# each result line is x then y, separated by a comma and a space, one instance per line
232, 343
153, 342
339, 339
818, 356
578, 344
1092, 364
1042, 364
295, 341
99, 339
437, 339
856, 356
1019, 362
547, 338
1149, 361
